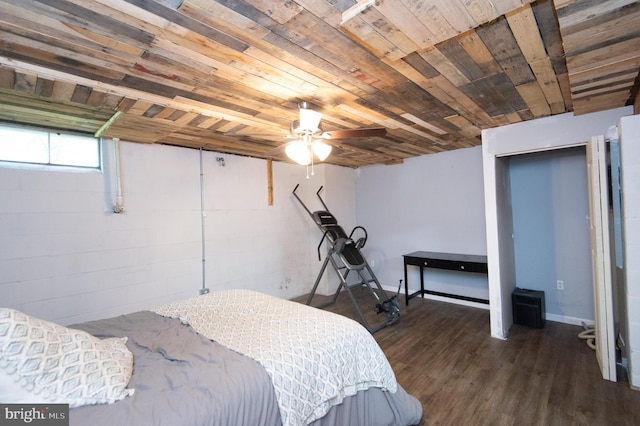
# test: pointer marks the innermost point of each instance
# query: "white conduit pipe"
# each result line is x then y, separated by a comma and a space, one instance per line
119, 207
589, 335
202, 217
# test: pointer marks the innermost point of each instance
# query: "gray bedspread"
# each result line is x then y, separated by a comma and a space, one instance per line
182, 378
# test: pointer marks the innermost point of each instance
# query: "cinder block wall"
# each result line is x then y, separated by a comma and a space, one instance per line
66, 257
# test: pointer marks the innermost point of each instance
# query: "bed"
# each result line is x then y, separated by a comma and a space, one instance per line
235, 357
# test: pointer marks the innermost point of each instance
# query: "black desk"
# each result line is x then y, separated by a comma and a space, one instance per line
450, 261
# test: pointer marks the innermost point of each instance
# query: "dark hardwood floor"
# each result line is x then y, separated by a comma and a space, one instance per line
443, 354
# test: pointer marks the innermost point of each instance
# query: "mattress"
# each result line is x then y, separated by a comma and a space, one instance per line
184, 375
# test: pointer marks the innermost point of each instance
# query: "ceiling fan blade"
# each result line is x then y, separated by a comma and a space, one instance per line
277, 151
262, 135
368, 132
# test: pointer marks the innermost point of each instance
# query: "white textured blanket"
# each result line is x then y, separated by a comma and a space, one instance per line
315, 358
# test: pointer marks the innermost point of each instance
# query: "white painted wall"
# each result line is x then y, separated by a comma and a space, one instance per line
428, 203
64, 256
548, 133
630, 165
338, 193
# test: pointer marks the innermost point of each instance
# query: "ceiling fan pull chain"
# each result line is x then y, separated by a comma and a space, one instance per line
312, 155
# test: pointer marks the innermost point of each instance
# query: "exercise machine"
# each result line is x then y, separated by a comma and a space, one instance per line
346, 258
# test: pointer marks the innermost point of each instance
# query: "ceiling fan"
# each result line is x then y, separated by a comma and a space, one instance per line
309, 138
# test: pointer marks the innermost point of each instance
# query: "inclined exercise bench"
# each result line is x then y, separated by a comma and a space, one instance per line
346, 258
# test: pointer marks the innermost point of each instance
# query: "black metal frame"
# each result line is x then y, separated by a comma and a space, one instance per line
345, 257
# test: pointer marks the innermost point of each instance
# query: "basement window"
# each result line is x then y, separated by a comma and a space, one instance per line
48, 148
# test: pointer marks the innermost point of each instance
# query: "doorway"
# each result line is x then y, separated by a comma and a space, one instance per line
550, 207
546, 134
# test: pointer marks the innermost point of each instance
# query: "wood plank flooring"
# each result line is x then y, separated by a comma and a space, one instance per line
443, 354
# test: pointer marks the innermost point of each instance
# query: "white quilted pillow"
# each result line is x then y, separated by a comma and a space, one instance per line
43, 362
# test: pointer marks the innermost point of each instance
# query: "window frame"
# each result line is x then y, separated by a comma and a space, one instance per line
33, 165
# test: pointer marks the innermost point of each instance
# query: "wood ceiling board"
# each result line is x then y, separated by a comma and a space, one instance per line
603, 72
214, 141
549, 84
602, 41
549, 28
621, 88
533, 96
382, 41
505, 49
478, 52
243, 70
140, 107
139, 129
442, 89
214, 14
466, 128
63, 17
524, 27
96, 98
431, 17
428, 23
315, 65
459, 57
206, 66
24, 90
39, 53
424, 124
281, 12
62, 90
352, 151
598, 102
624, 77
62, 116
186, 119
609, 34
598, 60
226, 114
337, 49
17, 114
435, 58
482, 10
403, 43
582, 15
26, 83
398, 15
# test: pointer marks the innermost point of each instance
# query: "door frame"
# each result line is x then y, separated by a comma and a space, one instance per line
599, 219
502, 269
549, 133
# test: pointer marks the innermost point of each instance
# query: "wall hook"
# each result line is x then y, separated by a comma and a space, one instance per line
220, 161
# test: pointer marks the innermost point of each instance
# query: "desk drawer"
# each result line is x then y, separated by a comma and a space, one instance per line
418, 261
453, 265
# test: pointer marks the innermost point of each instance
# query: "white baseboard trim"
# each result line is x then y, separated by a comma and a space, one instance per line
441, 299
457, 301
568, 320
550, 317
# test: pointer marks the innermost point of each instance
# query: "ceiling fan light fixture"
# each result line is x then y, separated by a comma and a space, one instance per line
321, 150
299, 152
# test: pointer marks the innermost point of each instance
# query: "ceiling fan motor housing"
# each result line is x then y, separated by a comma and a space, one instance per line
296, 129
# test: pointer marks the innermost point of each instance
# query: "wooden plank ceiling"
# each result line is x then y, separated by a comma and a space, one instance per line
227, 75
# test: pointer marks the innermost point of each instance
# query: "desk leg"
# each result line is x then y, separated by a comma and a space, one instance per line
406, 286
421, 281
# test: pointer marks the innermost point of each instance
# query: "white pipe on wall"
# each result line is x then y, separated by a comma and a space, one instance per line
204, 289
119, 207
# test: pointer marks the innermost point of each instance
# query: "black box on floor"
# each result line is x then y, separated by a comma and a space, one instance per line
528, 307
